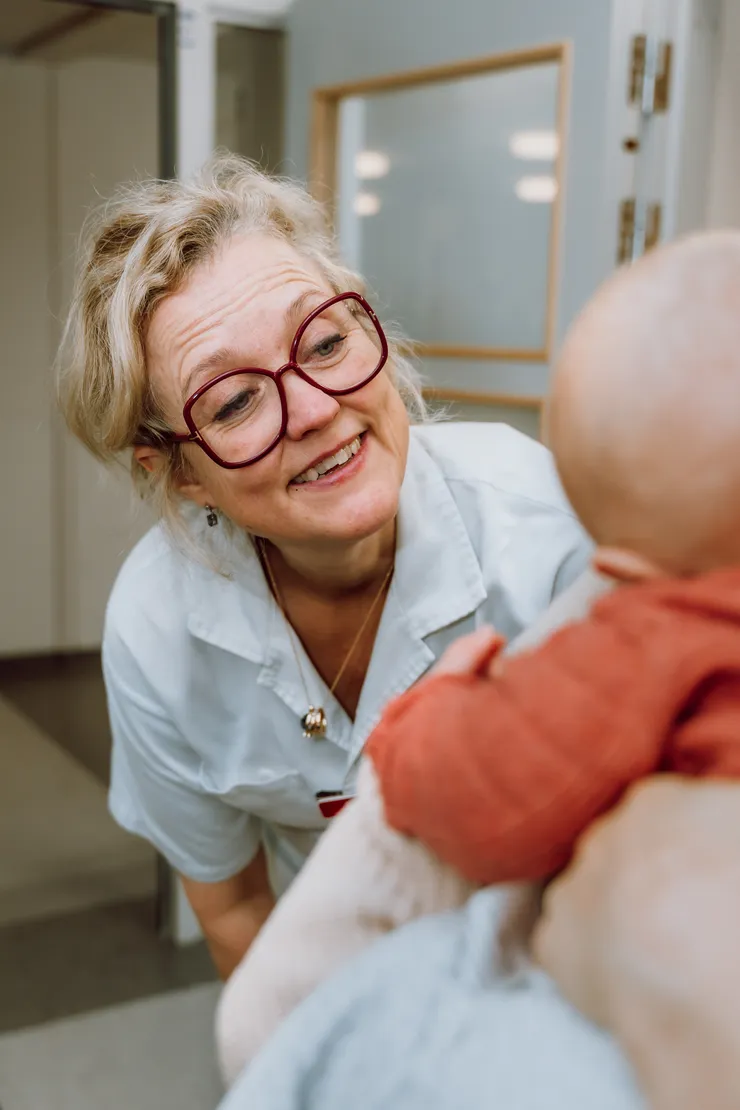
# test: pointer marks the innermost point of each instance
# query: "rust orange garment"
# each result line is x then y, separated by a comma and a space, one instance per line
499, 776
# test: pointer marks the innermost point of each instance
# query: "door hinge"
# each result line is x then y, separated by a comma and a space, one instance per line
650, 74
639, 228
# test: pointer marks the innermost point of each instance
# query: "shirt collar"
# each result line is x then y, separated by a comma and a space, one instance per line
437, 570
437, 582
437, 578
232, 609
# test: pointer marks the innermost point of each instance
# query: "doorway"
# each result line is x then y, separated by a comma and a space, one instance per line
87, 101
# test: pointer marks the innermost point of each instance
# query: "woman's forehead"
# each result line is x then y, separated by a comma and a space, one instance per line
252, 290
257, 265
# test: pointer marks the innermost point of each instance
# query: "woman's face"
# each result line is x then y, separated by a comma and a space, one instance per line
239, 310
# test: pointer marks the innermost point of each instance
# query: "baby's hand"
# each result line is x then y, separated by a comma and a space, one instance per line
475, 654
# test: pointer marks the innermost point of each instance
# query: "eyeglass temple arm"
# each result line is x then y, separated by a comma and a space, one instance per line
184, 437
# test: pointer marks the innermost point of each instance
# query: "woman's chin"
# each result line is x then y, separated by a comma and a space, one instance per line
347, 518
359, 523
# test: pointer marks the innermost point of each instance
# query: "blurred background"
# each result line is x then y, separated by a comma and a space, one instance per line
486, 164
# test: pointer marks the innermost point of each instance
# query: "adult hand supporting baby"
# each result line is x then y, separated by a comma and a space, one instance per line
641, 934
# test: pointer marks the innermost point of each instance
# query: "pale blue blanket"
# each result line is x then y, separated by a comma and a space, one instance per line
421, 1022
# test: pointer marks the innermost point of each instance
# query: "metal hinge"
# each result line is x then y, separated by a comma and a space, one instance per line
650, 74
639, 228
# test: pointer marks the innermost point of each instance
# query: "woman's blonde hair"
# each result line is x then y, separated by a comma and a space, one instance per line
139, 248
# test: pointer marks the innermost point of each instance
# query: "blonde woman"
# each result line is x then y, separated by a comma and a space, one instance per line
316, 553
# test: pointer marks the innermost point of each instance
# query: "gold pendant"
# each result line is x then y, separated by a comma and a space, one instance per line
314, 723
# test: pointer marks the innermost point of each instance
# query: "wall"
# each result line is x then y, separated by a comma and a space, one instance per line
67, 523
249, 12
26, 493
97, 147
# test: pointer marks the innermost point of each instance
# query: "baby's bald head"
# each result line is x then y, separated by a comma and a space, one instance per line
644, 412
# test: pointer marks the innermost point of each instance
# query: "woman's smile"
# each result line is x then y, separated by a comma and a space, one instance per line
339, 466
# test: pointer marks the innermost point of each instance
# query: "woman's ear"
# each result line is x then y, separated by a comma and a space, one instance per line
148, 457
152, 458
625, 566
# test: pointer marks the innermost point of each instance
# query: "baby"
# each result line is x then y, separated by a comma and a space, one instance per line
488, 771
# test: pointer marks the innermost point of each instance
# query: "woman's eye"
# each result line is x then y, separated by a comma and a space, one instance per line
328, 346
236, 405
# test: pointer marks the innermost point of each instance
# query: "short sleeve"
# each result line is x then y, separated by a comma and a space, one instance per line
155, 791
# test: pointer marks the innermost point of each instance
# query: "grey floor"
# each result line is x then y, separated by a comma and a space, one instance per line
62, 966
152, 1054
64, 696
101, 955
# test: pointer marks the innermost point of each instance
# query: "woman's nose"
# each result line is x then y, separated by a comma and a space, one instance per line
308, 408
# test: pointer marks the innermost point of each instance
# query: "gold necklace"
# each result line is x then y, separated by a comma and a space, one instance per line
314, 719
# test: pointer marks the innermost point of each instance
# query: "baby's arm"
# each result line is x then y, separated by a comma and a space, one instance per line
499, 775
362, 880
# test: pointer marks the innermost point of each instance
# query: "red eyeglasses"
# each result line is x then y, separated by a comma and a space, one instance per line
239, 417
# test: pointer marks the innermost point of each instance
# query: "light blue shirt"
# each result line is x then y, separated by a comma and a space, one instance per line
205, 696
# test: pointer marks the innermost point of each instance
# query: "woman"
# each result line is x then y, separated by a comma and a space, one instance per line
320, 555
641, 934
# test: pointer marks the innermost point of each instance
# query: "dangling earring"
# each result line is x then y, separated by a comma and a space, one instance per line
211, 516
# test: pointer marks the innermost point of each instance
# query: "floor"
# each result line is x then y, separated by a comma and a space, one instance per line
64, 696
61, 850
151, 1055
96, 1009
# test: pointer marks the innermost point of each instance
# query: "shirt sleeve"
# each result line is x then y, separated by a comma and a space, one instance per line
155, 790
499, 776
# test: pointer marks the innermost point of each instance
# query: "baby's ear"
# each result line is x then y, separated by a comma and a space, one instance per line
625, 566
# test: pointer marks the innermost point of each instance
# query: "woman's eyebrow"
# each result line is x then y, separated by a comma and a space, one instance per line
299, 309
225, 356
217, 360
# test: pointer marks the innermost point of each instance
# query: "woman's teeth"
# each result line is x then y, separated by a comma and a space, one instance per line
342, 456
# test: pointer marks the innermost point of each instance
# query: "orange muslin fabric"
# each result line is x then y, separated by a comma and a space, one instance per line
500, 775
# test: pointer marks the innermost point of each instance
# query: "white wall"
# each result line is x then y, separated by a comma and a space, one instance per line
68, 135
724, 166
26, 603
248, 12
98, 146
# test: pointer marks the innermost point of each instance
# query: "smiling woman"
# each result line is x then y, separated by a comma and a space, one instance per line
249, 648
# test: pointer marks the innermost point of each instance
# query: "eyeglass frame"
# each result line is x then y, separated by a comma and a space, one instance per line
194, 436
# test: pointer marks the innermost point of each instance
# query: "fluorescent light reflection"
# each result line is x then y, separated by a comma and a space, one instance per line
535, 146
366, 204
536, 190
371, 165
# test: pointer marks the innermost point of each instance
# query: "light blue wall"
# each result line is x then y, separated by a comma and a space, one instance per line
331, 41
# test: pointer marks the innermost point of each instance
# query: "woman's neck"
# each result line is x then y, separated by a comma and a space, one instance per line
333, 569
